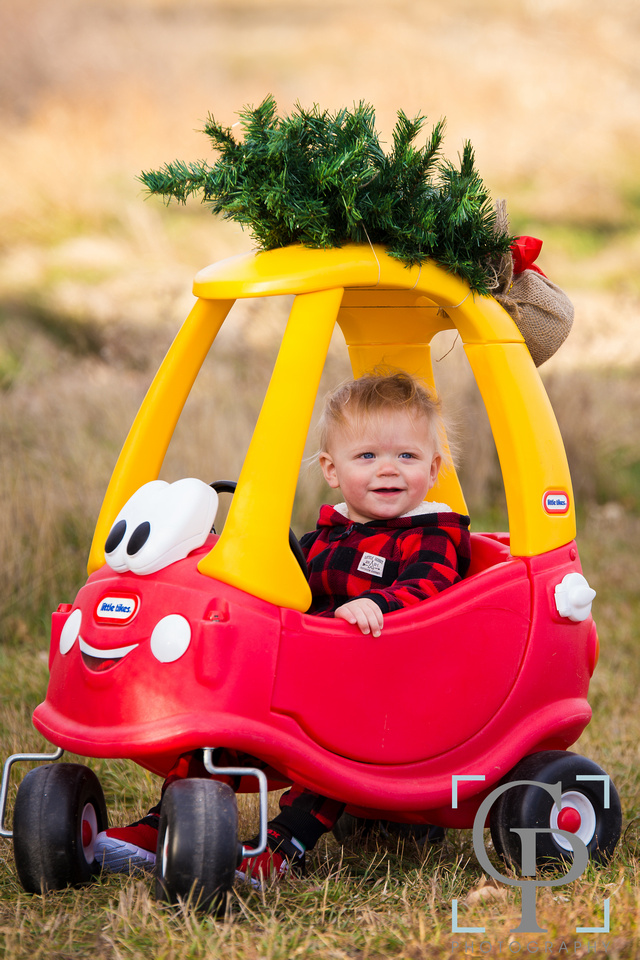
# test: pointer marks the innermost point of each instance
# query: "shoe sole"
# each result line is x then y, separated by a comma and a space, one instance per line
118, 856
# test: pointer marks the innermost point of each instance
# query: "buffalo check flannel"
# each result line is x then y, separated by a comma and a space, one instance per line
395, 562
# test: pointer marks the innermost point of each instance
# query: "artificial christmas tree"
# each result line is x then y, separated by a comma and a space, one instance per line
323, 179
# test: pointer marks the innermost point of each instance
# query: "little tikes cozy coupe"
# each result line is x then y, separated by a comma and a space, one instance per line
183, 640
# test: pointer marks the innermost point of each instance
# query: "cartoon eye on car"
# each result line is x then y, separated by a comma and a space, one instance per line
183, 639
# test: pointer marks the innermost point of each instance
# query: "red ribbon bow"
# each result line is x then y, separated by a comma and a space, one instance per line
525, 252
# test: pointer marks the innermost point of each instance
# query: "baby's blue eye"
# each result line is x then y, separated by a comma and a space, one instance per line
367, 456
406, 456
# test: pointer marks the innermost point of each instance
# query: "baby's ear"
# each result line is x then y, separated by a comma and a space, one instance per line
328, 468
436, 463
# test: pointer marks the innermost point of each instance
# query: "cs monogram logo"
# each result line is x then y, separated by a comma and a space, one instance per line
528, 920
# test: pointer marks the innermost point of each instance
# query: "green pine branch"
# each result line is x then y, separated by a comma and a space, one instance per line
323, 179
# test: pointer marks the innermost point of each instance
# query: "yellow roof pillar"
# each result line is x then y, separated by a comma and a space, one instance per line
253, 550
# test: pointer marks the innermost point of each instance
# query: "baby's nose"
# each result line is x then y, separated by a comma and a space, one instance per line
387, 466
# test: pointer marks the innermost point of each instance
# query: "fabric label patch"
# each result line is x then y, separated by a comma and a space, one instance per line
371, 564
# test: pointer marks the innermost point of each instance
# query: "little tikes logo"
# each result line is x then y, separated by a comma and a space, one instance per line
119, 609
556, 502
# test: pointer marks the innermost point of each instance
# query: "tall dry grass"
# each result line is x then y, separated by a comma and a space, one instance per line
94, 282
67, 410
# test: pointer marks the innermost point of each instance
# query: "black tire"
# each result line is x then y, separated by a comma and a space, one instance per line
531, 806
59, 810
197, 852
417, 833
349, 829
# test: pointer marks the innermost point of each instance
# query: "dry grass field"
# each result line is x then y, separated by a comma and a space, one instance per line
94, 280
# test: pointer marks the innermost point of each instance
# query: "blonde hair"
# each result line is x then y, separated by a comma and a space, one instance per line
377, 392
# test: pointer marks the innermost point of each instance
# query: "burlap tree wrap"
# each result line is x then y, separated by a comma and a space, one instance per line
542, 311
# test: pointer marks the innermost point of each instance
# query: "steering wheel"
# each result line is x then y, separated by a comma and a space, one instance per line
229, 486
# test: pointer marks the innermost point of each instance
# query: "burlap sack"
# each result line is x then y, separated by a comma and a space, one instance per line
542, 311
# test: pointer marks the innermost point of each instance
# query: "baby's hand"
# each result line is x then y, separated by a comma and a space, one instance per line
364, 612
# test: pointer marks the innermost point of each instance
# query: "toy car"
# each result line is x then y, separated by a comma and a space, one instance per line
183, 640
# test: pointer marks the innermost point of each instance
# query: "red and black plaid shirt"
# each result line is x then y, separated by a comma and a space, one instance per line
393, 562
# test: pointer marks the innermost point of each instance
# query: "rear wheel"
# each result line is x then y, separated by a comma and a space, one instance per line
589, 808
349, 829
198, 851
59, 811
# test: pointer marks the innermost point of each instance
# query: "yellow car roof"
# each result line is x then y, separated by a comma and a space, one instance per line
388, 314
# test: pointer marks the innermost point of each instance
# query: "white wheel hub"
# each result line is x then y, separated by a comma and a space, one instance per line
89, 832
586, 828
165, 851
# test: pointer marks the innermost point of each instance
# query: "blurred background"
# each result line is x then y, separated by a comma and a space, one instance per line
95, 277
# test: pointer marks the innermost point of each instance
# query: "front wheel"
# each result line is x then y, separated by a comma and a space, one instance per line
589, 808
59, 811
197, 852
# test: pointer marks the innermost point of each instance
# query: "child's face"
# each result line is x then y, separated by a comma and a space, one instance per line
384, 465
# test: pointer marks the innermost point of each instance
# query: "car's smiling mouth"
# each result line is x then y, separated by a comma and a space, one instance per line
100, 660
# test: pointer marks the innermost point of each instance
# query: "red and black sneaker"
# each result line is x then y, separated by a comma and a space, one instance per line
284, 855
132, 848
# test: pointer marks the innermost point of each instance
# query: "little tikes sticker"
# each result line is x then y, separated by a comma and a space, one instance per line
117, 609
556, 502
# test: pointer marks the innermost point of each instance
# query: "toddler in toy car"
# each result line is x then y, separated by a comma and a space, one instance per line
384, 548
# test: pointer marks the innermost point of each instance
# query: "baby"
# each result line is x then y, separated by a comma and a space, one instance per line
382, 549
